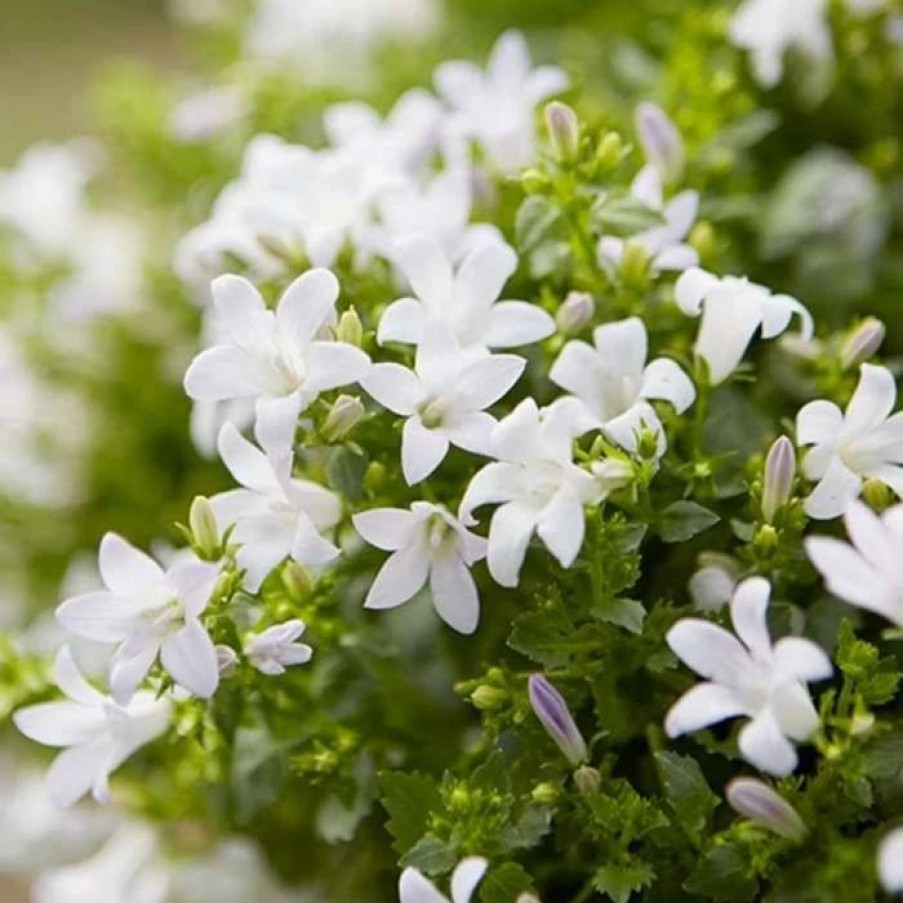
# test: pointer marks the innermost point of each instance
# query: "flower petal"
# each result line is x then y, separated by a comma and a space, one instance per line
307, 304
709, 650
402, 321
400, 578
126, 570
422, 450
276, 423
873, 400
691, 289
333, 364
388, 529
511, 324
623, 347
221, 373
466, 876
413, 887
510, 530
763, 745
454, 593
848, 575
837, 488
818, 422
394, 387
428, 271
247, 463
190, 658
701, 706
561, 526
74, 772
495, 483
485, 381
664, 379
60, 723
749, 614
483, 274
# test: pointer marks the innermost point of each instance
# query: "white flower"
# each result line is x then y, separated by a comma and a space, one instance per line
428, 545
276, 516
614, 383
413, 887
444, 398
276, 358
148, 612
664, 245
751, 677
205, 114
769, 28
890, 861
464, 297
732, 311
496, 107
865, 442
712, 585
275, 649
538, 488
868, 573
96, 734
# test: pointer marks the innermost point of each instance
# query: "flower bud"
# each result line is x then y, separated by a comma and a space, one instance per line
575, 312
374, 476
662, 145
534, 181
527, 898
226, 659
610, 150
204, 528
780, 472
296, 579
545, 794
756, 801
587, 780
349, 328
635, 265
612, 473
487, 699
862, 343
564, 130
553, 713
345, 414
877, 495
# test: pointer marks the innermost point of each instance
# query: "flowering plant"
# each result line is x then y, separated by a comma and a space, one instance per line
581, 486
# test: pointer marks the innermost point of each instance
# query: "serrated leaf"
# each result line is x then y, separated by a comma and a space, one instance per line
683, 520
686, 790
505, 884
431, 855
626, 613
619, 881
723, 875
536, 217
409, 799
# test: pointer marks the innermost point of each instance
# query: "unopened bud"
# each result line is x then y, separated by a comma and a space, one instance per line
527, 898
766, 538
612, 473
876, 494
575, 312
345, 414
226, 659
488, 699
610, 150
862, 343
756, 801
861, 723
635, 265
553, 713
349, 328
587, 780
296, 579
662, 144
544, 794
780, 472
374, 477
564, 130
702, 239
204, 528
534, 182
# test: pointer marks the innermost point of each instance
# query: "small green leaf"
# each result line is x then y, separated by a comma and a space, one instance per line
626, 613
724, 875
431, 855
686, 790
620, 880
536, 218
409, 799
505, 884
684, 520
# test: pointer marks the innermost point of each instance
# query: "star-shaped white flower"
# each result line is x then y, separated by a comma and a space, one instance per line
148, 612
444, 398
869, 572
733, 310
496, 107
276, 515
95, 733
275, 649
413, 887
276, 357
664, 245
769, 28
428, 545
614, 384
865, 442
537, 486
465, 297
749, 677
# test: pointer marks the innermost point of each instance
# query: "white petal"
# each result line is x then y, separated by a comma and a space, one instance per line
494, 483
871, 538
579, 369
778, 310
838, 487
193, 583
321, 505
237, 302
561, 526
333, 364
711, 588
484, 382
276, 420
890, 861
623, 347
626, 428
74, 772
677, 258
68, 678
691, 289
702, 705
265, 541
221, 373
130, 665
388, 529
847, 574
428, 271
664, 379
517, 436
818, 422
510, 530
509, 63
514, 323
455, 594
647, 188
60, 723
466, 877
190, 658
309, 547
483, 274
124, 569
402, 321
800, 659
422, 450
749, 612
307, 304
98, 616
394, 387
545, 81
400, 578
873, 400
414, 888
794, 712
729, 321
247, 463
709, 650
763, 745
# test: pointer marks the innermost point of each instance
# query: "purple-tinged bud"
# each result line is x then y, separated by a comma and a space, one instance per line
780, 472
552, 711
575, 312
756, 801
662, 145
564, 130
862, 343
587, 779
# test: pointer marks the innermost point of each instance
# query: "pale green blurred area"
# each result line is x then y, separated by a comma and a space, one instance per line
51, 51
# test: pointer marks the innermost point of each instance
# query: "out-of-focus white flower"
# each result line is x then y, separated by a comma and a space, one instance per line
865, 572
496, 107
664, 245
757, 801
96, 734
275, 357
428, 545
712, 585
203, 115
769, 28
413, 887
464, 297
148, 612
538, 489
751, 677
614, 384
866, 441
444, 398
733, 310
660, 140
276, 516
275, 649
890, 861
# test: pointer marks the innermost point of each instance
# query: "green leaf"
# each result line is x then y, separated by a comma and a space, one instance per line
876, 678
409, 799
624, 216
724, 875
345, 473
626, 613
686, 791
684, 520
259, 770
536, 218
431, 855
620, 880
505, 884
